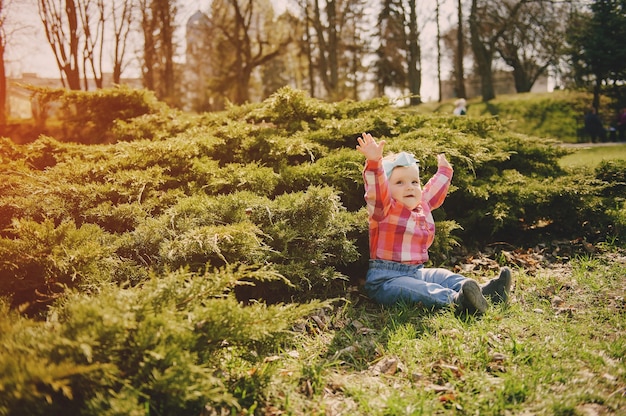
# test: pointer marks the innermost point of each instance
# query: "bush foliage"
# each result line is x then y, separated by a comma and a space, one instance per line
158, 270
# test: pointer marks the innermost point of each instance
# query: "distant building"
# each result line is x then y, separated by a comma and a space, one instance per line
202, 71
197, 70
19, 103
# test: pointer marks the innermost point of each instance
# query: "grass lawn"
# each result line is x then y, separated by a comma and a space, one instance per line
557, 349
588, 156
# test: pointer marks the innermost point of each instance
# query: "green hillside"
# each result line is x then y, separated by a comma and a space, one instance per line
557, 115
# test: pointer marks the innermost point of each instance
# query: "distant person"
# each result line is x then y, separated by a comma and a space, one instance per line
402, 228
593, 126
621, 125
460, 108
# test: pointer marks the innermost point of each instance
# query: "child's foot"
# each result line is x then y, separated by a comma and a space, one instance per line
497, 290
470, 299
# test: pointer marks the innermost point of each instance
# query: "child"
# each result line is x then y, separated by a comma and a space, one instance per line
460, 108
401, 228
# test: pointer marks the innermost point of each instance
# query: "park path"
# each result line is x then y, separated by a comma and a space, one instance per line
589, 144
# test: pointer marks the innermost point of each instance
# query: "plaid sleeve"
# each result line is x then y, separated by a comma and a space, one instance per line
435, 191
377, 194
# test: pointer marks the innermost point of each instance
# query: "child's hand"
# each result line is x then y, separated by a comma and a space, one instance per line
369, 148
442, 161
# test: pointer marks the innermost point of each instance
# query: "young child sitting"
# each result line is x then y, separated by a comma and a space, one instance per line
402, 228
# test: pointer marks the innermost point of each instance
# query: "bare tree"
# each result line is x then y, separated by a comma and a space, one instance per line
148, 56
157, 27
121, 19
325, 26
399, 54
391, 54
459, 71
437, 12
337, 41
92, 18
290, 66
307, 44
242, 44
533, 41
3, 75
354, 37
75, 30
60, 21
488, 21
166, 14
414, 57
483, 53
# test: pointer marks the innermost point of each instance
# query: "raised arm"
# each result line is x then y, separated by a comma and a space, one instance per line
435, 191
369, 148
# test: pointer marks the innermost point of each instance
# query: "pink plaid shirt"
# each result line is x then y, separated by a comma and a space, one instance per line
397, 233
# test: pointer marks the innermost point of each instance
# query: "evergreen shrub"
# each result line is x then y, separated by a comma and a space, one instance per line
88, 116
215, 246
177, 344
275, 151
46, 152
307, 232
234, 177
158, 269
9, 151
46, 259
160, 125
292, 110
341, 169
614, 174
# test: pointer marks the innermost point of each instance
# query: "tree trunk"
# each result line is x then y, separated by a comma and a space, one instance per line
523, 79
167, 44
72, 68
597, 89
439, 98
122, 22
460, 52
63, 36
414, 70
522, 83
309, 46
333, 67
3, 79
149, 47
158, 50
483, 57
328, 45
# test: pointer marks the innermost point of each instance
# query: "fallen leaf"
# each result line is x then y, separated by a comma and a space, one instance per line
388, 366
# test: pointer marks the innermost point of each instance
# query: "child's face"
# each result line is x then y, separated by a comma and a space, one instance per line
404, 186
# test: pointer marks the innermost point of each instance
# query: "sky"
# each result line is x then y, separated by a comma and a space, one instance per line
29, 52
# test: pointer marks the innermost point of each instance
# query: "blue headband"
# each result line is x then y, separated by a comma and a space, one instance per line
402, 159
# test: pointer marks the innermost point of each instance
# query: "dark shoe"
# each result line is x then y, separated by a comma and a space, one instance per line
497, 290
470, 299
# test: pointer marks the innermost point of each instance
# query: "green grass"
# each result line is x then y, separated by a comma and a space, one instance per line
557, 349
555, 115
592, 156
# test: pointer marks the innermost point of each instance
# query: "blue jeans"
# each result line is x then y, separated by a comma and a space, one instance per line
389, 282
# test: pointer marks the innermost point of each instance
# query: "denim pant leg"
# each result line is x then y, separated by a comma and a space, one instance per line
443, 277
390, 282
